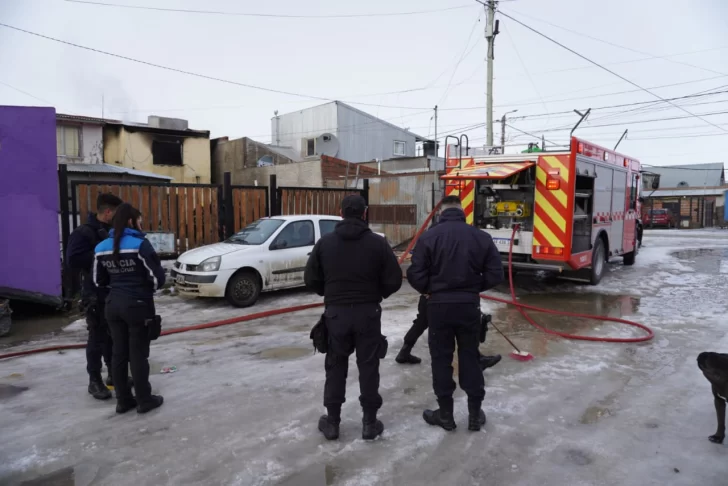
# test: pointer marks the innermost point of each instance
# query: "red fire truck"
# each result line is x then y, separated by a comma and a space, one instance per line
573, 209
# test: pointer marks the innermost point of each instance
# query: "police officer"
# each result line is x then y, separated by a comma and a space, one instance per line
354, 269
80, 257
453, 262
419, 326
127, 264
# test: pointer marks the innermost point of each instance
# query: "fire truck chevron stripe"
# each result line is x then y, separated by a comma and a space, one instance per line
556, 164
547, 233
553, 214
544, 221
559, 194
536, 241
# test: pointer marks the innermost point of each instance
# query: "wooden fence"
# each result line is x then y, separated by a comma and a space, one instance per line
249, 205
189, 211
302, 200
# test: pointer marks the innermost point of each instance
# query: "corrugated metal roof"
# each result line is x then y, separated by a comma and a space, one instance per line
708, 191
112, 169
85, 119
690, 175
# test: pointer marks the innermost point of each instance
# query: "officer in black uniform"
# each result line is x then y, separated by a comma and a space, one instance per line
419, 326
354, 269
453, 262
80, 257
127, 264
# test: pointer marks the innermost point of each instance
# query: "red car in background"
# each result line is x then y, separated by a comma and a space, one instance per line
660, 217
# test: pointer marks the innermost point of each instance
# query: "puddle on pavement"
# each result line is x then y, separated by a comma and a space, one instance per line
510, 321
31, 321
706, 260
284, 353
9, 391
593, 414
63, 477
227, 338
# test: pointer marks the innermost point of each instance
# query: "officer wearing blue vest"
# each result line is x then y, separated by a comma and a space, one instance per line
127, 264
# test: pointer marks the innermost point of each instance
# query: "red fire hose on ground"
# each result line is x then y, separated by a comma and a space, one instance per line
514, 302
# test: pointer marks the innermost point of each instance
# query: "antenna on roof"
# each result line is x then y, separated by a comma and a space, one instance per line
624, 135
583, 117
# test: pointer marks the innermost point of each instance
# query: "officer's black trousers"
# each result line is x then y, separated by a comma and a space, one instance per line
353, 328
419, 325
99, 344
126, 318
450, 323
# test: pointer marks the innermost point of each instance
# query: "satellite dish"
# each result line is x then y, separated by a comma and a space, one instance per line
327, 144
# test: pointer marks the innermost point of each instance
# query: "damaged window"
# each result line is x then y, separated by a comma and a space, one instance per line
167, 151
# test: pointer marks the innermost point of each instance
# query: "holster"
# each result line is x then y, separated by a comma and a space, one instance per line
320, 336
484, 320
154, 327
383, 347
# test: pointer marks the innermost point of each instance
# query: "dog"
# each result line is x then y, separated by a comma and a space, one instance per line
715, 368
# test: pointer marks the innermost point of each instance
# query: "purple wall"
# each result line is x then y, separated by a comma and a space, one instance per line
30, 255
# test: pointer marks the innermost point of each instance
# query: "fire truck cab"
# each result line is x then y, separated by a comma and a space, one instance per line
572, 210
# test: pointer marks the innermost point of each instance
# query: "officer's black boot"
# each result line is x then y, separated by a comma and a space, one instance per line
124, 405
97, 388
154, 401
371, 427
441, 417
476, 417
405, 356
329, 425
489, 361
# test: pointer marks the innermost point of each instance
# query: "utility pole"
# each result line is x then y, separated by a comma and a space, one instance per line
491, 30
437, 153
503, 130
503, 134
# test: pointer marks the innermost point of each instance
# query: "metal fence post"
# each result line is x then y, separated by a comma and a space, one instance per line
65, 215
365, 195
229, 213
273, 206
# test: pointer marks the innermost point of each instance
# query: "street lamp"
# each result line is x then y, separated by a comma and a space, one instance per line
503, 130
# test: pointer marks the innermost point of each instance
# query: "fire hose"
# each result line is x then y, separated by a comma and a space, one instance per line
514, 302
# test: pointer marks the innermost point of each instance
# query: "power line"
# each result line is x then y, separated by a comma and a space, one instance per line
529, 134
614, 44
644, 121
26, 93
166, 68
608, 70
269, 15
464, 54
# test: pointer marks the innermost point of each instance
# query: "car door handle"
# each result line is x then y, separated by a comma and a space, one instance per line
308, 254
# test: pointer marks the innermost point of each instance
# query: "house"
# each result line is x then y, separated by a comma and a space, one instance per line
162, 149
342, 131
243, 153
163, 146
694, 193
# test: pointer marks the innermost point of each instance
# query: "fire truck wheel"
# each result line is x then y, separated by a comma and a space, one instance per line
599, 262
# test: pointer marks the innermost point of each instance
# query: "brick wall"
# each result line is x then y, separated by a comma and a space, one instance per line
335, 169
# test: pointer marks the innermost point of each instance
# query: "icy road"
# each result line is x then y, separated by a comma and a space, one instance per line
242, 407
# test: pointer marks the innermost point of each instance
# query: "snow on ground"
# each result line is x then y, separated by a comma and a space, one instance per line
242, 407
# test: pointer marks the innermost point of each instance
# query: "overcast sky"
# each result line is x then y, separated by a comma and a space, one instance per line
357, 59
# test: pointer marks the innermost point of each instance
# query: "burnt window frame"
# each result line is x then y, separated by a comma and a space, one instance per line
159, 141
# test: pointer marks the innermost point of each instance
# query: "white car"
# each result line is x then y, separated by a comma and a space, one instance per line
269, 254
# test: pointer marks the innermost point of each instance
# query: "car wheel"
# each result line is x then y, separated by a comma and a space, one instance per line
243, 289
599, 262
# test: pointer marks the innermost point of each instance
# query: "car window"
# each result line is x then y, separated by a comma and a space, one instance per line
256, 233
295, 235
658, 211
327, 226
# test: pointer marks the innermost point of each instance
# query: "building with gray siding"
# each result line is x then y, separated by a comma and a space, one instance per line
340, 130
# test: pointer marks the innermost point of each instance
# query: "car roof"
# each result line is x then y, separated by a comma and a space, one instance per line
300, 217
